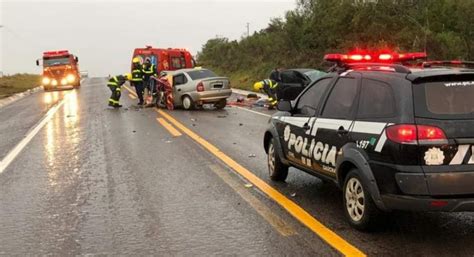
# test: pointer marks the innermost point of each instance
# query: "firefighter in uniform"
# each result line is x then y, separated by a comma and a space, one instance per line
148, 83
137, 79
148, 71
114, 84
269, 87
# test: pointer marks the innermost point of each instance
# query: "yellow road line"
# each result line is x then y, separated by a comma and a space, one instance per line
275, 221
174, 132
291, 207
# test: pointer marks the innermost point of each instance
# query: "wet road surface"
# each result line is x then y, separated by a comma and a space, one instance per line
100, 181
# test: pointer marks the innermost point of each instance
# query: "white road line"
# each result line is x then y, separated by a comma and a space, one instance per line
252, 111
24, 142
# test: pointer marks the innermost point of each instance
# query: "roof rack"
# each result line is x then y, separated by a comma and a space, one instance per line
342, 67
455, 63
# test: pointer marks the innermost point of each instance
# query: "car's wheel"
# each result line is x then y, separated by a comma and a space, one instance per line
276, 169
359, 207
188, 103
221, 104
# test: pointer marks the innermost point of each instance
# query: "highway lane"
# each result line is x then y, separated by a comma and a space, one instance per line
100, 181
96, 180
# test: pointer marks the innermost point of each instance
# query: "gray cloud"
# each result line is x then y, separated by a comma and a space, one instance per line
104, 33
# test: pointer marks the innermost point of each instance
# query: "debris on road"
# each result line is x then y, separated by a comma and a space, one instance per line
221, 116
241, 124
252, 155
293, 195
248, 185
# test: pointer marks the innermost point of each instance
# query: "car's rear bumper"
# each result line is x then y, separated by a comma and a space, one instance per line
436, 183
418, 203
211, 96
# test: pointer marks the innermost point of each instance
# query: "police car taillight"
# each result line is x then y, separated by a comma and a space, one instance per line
374, 57
414, 134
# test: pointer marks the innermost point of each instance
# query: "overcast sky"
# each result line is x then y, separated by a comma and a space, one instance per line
103, 34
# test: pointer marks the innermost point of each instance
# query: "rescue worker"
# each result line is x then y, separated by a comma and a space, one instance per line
148, 71
137, 79
269, 87
115, 84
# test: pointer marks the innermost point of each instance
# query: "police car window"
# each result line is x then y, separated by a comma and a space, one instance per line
341, 100
376, 100
309, 101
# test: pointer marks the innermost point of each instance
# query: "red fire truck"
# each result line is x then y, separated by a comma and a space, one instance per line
60, 69
165, 59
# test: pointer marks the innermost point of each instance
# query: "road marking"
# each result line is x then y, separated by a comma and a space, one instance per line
252, 111
24, 142
275, 221
291, 207
174, 132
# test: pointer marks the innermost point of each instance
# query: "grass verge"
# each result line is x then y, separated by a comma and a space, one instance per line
17, 83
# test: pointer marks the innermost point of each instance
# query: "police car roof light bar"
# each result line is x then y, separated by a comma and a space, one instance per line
375, 57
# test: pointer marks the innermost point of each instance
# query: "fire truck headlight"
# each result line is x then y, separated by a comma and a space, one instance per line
46, 81
54, 82
63, 82
71, 78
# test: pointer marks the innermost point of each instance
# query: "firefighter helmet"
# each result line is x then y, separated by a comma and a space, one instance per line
136, 60
258, 86
128, 76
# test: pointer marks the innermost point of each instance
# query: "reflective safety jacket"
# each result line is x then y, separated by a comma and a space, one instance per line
117, 81
149, 70
137, 74
269, 87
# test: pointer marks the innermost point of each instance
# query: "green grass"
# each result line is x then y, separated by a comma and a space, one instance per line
10, 85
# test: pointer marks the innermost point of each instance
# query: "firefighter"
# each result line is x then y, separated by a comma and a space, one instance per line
114, 84
137, 79
148, 71
269, 87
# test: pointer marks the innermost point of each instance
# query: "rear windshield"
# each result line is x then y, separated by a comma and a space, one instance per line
445, 100
201, 74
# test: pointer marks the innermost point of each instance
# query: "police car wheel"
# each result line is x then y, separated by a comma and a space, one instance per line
188, 103
276, 169
359, 207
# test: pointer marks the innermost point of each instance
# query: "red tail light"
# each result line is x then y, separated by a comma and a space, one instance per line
413, 134
200, 87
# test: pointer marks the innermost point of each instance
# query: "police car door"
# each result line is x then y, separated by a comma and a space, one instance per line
296, 130
332, 128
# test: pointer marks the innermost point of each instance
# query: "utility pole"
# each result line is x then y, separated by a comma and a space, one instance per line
248, 29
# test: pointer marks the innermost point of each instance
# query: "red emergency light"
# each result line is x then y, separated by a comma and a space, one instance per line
374, 57
56, 53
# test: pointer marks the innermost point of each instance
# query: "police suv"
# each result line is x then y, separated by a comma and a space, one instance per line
392, 136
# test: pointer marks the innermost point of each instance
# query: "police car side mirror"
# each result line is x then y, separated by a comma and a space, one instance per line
284, 106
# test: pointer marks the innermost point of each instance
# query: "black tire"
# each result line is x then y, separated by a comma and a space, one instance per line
359, 207
221, 104
276, 169
188, 105
46, 88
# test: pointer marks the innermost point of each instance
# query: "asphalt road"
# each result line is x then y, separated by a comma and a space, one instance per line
88, 179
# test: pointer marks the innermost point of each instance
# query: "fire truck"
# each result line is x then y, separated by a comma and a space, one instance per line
60, 69
165, 59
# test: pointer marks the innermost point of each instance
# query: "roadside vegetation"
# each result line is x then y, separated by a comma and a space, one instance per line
444, 28
10, 85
